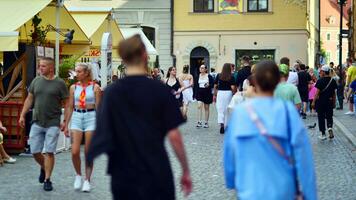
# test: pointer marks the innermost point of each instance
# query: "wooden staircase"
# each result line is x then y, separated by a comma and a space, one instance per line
12, 97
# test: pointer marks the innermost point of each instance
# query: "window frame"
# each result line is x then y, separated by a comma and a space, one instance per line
328, 36
257, 10
204, 11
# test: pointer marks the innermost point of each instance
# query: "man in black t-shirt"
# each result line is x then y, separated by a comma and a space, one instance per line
244, 73
324, 101
303, 83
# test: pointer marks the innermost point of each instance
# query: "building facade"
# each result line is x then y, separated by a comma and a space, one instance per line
330, 29
214, 32
352, 39
154, 17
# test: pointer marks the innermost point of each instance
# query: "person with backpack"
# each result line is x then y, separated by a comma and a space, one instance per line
267, 155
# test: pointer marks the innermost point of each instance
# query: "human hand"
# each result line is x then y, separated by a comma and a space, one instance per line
3, 129
66, 131
186, 183
214, 98
22, 122
63, 126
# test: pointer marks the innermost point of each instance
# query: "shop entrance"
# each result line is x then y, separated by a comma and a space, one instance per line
199, 56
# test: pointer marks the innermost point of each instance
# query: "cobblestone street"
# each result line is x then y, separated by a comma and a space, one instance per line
335, 166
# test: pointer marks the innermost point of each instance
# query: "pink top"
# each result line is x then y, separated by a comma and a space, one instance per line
312, 92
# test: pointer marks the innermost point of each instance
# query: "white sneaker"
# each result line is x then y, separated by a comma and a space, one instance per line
86, 186
206, 125
322, 137
10, 160
78, 182
349, 113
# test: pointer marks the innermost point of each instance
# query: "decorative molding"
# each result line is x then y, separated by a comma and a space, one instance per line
301, 3
213, 56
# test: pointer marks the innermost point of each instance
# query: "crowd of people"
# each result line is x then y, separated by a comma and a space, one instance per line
279, 164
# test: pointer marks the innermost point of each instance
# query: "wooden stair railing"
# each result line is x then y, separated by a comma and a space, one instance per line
17, 69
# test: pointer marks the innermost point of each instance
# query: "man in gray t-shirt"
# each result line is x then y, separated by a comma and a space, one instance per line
47, 94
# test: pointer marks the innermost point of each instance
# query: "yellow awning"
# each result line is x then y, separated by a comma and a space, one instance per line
89, 22
106, 27
48, 16
9, 41
14, 13
72, 49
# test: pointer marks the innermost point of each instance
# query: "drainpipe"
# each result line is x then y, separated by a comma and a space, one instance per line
172, 34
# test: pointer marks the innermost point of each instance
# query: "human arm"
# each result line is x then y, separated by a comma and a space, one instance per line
97, 92
316, 97
303, 157
348, 94
2, 128
69, 110
229, 154
63, 125
26, 107
297, 100
176, 141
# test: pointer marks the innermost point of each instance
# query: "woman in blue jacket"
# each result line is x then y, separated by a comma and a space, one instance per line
267, 154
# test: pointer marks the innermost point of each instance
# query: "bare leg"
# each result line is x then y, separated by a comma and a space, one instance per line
39, 158
3, 153
304, 107
200, 111
49, 164
207, 110
351, 107
77, 140
185, 110
88, 166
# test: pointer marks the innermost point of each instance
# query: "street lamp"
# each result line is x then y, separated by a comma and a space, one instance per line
342, 32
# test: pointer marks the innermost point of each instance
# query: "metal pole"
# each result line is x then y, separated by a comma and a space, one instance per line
57, 36
341, 2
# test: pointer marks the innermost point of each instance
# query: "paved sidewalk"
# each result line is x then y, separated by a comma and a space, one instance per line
346, 123
335, 164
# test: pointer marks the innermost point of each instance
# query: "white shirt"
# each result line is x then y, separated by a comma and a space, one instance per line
293, 78
203, 80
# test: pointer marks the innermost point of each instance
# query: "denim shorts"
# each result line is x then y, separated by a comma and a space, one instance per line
43, 139
83, 121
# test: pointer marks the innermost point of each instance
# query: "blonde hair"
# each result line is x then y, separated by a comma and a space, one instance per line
86, 68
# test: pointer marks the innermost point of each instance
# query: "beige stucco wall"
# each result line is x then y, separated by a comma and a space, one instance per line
331, 45
293, 44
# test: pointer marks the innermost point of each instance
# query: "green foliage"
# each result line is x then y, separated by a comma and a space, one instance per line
65, 67
322, 50
39, 33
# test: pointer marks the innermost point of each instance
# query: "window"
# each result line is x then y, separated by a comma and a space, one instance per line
328, 36
257, 5
150, 34
203, 5
328, 56
255, 55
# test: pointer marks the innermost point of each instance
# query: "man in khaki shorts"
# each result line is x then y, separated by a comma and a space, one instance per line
47, 93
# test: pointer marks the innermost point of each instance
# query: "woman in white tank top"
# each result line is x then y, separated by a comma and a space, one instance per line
83, 100
188, 82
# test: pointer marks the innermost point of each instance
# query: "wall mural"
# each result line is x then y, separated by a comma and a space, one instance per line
230, 6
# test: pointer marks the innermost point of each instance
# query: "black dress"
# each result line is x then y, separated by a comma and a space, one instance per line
175, 88
132, 121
